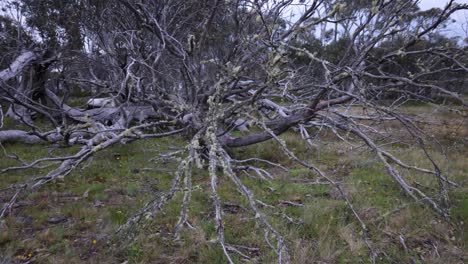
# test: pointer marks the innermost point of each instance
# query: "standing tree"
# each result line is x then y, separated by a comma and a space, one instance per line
203, 69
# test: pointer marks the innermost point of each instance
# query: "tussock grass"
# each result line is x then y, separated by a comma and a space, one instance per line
101, 195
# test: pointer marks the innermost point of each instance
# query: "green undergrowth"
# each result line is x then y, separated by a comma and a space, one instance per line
74, 219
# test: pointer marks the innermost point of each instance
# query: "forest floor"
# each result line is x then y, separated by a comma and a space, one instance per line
73, 220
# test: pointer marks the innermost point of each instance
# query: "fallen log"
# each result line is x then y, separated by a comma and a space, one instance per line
11, 136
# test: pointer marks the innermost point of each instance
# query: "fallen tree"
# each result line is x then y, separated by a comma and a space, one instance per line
202, 80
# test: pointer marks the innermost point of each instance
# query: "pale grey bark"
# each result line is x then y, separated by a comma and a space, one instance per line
18, 65
10, 136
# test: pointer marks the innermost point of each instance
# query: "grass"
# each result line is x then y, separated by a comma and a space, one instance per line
99, 196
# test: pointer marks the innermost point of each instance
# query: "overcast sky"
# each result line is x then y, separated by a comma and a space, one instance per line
426, 4
460, 27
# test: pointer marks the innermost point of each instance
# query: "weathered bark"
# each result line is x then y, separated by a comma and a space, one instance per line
11, 136
282, 124
18, 65
31, 86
